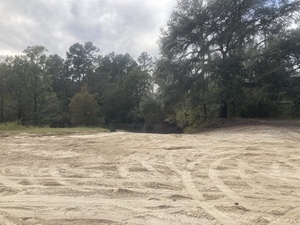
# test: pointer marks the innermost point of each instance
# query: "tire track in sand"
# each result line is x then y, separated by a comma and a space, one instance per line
260, 189
198, 196
289, 176
290, 217
5, 221
213, 175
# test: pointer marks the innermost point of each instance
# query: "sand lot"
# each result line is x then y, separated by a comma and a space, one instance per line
247, 174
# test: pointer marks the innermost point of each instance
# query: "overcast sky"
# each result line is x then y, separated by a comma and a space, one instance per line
122, 26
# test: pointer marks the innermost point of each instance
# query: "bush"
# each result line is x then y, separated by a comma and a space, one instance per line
84, 109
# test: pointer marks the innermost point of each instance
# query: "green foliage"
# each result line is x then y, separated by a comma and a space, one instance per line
151, 112
9, 126
218, 58
38, 89
145, 62
235, 54
84, 109
50, 110
16, 127
80, 63
124, 85
115, 105
27, 87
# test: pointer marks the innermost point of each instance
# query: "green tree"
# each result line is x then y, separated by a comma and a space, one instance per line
137, 85
18, 88
84, 109
211, 42
116, 91
114, 67
80, 62
61, 84
3, 78
28, 87
36, 81
145, 62
151, 112
273, 76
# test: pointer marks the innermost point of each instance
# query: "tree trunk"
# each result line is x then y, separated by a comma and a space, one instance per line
223, 109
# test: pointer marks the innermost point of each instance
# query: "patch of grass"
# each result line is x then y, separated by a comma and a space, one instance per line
15, 128
11, 126
64, 131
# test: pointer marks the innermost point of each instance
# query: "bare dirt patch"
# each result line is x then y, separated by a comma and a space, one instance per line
244, 174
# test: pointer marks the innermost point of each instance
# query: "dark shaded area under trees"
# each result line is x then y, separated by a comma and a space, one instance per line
219, 58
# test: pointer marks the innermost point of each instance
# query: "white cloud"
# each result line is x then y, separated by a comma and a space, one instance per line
123, 26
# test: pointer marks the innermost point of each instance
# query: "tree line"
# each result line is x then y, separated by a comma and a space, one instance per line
218, 58
83, 89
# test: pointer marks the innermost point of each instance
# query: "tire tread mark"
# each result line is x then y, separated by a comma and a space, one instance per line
198, 197
287, 217
213, 175
6, 222
241, 171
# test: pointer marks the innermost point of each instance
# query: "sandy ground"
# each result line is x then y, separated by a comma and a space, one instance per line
238, 175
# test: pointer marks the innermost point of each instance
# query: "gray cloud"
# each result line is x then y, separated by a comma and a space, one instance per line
123, 26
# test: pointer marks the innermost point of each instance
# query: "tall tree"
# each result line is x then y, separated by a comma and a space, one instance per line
28, 88
217, 37
273, 75
38, 81
3, 74
122, 85
60, 82
18, 87
145, 61
80, 62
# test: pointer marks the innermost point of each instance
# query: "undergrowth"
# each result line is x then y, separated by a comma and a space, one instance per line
15, 125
